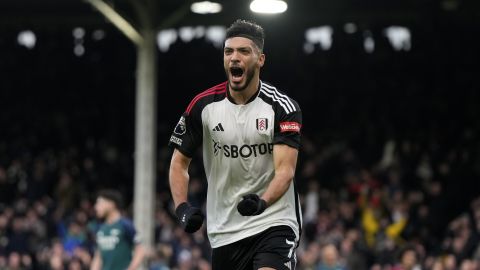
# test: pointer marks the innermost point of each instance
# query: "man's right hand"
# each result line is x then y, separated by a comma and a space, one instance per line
191, 218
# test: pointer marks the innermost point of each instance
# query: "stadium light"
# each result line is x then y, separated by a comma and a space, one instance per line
27, 39
350, 28
400, 37
318, 35
268, 6
206, 7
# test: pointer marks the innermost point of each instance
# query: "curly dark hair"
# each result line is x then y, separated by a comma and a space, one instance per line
247, 29
112, 195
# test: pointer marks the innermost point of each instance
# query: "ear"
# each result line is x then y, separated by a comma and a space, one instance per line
261, 59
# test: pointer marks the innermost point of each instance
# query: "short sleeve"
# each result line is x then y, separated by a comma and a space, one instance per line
288, 124
131, 234
187, 135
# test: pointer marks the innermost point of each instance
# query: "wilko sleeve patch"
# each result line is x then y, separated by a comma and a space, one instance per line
290, 127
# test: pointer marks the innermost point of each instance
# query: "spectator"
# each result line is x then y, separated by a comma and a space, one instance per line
19, 236
408, 260
17, 261
160, 260
76, 237
330, 259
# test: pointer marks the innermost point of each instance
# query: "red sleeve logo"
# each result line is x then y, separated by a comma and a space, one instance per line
290, 127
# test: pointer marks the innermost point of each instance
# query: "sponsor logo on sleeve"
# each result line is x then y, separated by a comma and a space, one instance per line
290, 127
181, 127
176, 140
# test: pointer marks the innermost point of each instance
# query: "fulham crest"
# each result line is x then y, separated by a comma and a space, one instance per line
262, 124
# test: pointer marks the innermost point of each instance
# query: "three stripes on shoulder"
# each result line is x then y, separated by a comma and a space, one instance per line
282, 99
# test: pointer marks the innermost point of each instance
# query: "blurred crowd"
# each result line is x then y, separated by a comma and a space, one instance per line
368, 220
375, 221
388, 172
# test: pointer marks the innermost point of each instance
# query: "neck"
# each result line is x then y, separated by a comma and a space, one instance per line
113, 216
242, 97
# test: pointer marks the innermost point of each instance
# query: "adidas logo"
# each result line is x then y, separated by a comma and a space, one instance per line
288, 265
218, 127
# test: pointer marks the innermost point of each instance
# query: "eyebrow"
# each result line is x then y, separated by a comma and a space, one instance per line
238, 48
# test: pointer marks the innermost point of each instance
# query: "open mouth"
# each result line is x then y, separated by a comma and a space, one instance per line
237, 73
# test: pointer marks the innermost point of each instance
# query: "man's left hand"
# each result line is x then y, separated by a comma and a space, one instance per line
251, 205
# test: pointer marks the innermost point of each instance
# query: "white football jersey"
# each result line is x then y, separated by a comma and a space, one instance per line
237, 143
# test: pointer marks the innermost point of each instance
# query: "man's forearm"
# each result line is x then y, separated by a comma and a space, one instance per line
96, 262
279, 185
178, 186
285, 160
138, 255
179, 178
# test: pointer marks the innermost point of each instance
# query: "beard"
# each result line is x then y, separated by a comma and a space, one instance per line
248, 78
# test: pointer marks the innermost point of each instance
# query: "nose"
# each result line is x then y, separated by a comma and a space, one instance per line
234, 57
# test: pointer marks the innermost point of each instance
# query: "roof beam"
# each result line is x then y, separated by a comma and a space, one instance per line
116, 19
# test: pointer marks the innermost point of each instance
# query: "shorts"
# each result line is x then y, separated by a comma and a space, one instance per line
274, 247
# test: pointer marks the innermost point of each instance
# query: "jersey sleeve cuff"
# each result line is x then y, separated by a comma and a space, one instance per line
290, 143
183, 151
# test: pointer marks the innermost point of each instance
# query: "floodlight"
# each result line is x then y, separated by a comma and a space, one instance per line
206, 7
268, 6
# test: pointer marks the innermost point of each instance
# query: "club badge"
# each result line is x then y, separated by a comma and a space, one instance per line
262, 124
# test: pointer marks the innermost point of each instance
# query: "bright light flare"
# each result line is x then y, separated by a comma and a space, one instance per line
268, 6
27, 39
206, 7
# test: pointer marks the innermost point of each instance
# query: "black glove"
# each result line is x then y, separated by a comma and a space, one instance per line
191, 218
251, 205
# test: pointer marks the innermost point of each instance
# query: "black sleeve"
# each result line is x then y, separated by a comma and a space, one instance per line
287, 126
187, 135
131, 234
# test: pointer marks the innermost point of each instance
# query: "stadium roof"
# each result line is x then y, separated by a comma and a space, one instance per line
68, 13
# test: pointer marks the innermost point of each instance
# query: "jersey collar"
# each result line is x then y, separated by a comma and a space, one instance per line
252, 98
